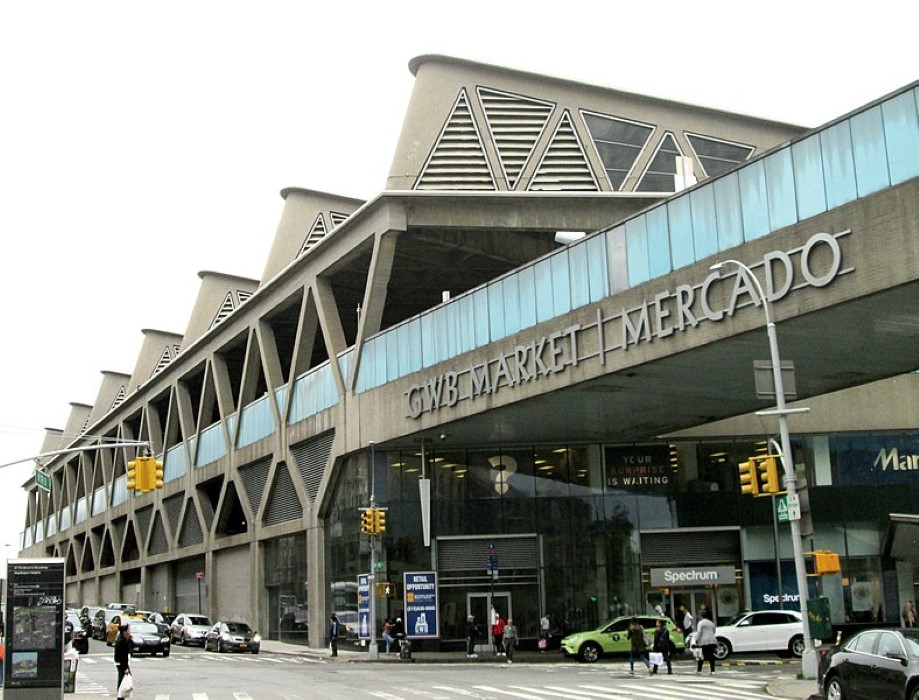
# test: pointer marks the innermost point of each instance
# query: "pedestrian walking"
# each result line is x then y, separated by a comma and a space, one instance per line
497, 634
122, 656
909, 614
471, 634
544, 632
510, 639
661, 645
638, 645
388, 627
687, 621
705, 639
334, 630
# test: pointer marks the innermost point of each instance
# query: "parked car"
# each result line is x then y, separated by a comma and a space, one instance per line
75, 631
149, 638
873, 664
232, 636
611, 638
190, 629
161, 618
768, 630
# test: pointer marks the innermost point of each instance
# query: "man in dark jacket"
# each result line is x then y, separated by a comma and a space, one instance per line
122, 655
334, 631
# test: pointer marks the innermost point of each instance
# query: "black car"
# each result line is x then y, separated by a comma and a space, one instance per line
232, 636
148, 638
880, 663
75, 631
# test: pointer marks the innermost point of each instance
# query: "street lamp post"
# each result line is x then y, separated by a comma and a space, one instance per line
809, 658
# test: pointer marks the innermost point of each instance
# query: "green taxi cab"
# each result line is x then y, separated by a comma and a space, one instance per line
612, 638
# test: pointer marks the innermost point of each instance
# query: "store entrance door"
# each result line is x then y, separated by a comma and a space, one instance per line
696, 602
480, 605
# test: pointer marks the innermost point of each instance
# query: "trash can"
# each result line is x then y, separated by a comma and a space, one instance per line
405, 650
70, 675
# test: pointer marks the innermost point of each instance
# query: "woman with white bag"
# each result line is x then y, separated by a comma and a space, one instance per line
660, 649
122, 662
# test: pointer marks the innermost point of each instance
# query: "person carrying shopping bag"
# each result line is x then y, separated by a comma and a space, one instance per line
660, 650
638, 645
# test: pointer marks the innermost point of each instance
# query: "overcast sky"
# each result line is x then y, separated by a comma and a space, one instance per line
141, 143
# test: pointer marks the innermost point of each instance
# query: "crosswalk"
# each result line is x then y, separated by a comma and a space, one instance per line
650, 689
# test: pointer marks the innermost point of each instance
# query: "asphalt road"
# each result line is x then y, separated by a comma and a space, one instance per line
192, 674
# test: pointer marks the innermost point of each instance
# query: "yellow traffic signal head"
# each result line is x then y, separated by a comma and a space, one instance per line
131, 483
749, 478
156, 474
379, 521
367, 521
769, 479
826, 562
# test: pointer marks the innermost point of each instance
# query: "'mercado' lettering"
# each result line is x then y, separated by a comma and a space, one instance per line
666, 313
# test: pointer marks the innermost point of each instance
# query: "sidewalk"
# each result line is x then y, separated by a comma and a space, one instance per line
788, 686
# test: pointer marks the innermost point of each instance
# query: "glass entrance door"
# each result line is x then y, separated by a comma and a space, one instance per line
696, 601
481, 605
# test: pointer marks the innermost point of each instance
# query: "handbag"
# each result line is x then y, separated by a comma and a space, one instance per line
656, 658
127, 685
543, 643
697, 653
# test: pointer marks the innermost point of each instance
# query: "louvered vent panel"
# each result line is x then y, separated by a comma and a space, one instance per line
311, 457
564, 167
458, 160
515, 123
283, 504
466, 555
225, 309
191, 528
173, 508
159, 543
122, 392
254, 477
316, 234
164, 360
704, 547
337, 218
143, 524
85, 425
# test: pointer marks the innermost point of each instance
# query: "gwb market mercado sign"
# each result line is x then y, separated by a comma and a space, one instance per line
668, 313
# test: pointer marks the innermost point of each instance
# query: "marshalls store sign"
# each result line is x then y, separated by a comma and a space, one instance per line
816, 264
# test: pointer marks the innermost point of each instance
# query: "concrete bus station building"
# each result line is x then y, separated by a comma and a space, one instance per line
552, 420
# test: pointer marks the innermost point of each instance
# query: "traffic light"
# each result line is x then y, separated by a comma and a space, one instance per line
379, 521
749, 477
155, 476
826, 562
769, 475
132, 475
367, 521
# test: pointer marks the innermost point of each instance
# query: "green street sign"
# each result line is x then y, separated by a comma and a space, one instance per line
787, 509
43, 480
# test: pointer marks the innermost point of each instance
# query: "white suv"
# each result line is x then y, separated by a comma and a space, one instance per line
769, 630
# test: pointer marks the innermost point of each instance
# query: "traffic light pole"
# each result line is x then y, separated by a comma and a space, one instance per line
809, 657
373, 652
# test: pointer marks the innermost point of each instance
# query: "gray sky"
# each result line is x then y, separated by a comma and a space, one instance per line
141, 143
